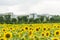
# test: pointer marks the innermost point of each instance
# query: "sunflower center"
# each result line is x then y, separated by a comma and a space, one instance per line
26, 28
42, 34
22, 29
55, 39
57, 33
48, 28
4, 30
11, 28
31, 29
2, 39
47, 34
37, 29
44, 28
30, 33
7, 35
58, 26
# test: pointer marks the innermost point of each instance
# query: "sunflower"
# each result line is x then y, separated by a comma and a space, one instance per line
26, 28
36, 37
37, 28
8, 35
11, 28
55, 38
49, 27
22, 29
57, 33
31, 28
56, 26
30, 33
44, 29
3, 38
43, 34
47, 33
4, 29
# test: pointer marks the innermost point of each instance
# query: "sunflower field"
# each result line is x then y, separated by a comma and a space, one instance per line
43, 31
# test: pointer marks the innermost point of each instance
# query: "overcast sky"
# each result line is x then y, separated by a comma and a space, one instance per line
22, 7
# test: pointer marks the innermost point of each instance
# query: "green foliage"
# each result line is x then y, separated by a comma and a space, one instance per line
42, 18
7, 18
25, 20
13, 20
55, 19
31, 20
19, 20
1, 19
37, 20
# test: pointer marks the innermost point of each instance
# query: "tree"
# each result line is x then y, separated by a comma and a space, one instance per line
7, 18
24, 19
1, 19
13, 20
19, 19
37, 20
31, 20
42, 18
55, 19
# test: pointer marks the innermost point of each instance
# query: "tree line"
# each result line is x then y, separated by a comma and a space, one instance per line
25, 20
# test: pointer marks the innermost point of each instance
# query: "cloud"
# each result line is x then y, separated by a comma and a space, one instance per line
23, 7
50, 7
15, 2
